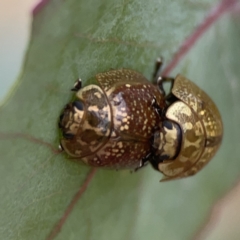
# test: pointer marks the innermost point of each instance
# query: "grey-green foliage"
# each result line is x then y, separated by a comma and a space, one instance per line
72, 39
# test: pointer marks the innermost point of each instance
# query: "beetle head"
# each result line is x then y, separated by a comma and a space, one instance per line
71, 118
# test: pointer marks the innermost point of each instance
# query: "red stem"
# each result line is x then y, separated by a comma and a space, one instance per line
70, 207
216, 12
39, 7
4, 136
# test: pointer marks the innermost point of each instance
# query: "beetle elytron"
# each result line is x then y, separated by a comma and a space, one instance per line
125, 122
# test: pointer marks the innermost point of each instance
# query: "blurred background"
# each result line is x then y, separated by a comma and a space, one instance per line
15, 21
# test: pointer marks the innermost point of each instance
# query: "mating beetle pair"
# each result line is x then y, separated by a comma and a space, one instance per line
126, 122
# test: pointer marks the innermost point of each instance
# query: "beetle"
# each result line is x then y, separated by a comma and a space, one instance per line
125, 121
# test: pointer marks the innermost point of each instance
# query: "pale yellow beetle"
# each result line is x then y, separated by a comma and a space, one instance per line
196, 130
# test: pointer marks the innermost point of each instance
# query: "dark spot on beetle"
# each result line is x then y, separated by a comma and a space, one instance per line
191, 136
60, 121
78, 105
188, 151
68, 135
93, 118
179, 139
168, 125
116, 103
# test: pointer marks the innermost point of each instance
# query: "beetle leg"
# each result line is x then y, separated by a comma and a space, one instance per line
161, 81
157, 69
60, 147
77, 85
170, 98
157, 108
144, 162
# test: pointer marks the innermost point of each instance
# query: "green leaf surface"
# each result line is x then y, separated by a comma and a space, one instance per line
72, 39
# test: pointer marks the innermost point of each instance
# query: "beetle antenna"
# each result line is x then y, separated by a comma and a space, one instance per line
77, 85
157, 69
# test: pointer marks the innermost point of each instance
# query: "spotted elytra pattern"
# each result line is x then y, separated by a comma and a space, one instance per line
201, 125
120, 136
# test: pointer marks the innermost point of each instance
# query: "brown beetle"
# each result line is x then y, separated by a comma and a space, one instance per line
126, 122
